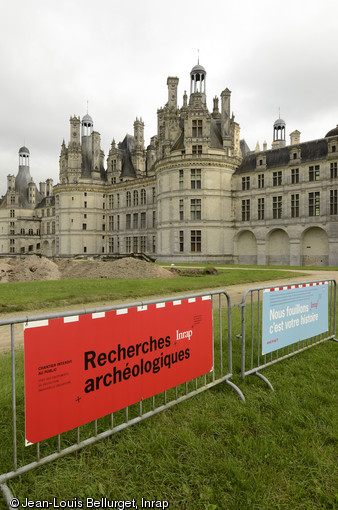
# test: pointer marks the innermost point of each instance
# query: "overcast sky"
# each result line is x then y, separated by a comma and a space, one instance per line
57, 55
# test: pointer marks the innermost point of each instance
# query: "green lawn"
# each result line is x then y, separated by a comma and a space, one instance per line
24, 296
275, 451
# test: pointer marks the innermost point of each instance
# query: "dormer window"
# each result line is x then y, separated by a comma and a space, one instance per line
196, 128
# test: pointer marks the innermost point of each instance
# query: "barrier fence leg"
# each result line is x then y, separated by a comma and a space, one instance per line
8, 496
236, 388
265, 380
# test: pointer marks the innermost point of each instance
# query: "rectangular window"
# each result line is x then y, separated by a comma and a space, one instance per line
295, 206
154, 193
128, 221
143, 244
84, 205
195, 209
277, 178
261, 208
111, 245
154, 219
245, 183
118, 200
84, 226
294, 175
118, 222
12, 213
143, 220
181, 209
314, 203
128, 244
196, 128
128, 199
181, 241
135, 244
333, 170
314, 173
195, 178
333, 201
197, 149
277, 207
135, 220
261, 180
196, 244
245, 210
180, 179
111, 223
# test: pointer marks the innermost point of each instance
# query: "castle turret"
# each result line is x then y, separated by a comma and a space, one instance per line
278, 134
172, 92
24, 177
198, 83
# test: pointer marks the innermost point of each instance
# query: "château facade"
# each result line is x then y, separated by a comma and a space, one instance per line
196, 193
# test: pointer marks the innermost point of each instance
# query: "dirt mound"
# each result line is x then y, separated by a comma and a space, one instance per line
34, 268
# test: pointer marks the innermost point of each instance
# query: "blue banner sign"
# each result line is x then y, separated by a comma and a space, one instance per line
293, 313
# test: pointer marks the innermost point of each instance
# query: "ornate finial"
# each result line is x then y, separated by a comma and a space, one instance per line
87, 106
279, 112
198, 58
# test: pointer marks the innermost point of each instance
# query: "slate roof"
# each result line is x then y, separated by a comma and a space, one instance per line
310, 151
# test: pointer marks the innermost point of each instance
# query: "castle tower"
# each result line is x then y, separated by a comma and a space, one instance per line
24, 177
70, 163
198, 83
86, 133
138, 153
172, 92
74, 130
278, 134
139, 134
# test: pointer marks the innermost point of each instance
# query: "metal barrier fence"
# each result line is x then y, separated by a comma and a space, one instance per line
26, 459
252, 358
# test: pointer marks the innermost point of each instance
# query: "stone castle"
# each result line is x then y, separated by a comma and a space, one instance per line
196, 193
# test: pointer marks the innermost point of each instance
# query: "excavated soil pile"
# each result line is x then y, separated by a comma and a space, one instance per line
34, 268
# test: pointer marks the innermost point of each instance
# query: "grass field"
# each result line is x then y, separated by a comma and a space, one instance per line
22, 296
275, 451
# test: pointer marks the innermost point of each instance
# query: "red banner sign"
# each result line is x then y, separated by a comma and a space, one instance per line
80, 368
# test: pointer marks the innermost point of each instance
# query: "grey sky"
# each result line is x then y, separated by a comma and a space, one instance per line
56, 55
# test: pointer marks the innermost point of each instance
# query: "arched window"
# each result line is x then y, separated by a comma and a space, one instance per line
143, 197
128, 198
135, 197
